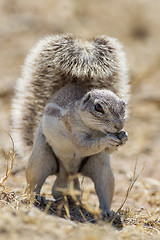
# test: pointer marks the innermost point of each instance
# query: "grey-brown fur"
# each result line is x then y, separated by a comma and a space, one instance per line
72, 130
56, 61
69, 112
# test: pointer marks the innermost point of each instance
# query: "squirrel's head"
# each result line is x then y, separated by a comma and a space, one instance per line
102, 110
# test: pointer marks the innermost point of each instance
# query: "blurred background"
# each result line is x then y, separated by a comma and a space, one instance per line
136, 23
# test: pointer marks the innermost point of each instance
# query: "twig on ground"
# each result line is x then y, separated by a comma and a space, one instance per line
9, 157
132, 182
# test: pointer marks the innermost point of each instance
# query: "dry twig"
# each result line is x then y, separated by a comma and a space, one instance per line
9, 157
132, 182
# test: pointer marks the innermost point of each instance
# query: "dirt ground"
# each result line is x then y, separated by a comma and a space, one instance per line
137, 25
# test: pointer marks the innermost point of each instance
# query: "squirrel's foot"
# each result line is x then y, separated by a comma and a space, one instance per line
113, 218
39, 200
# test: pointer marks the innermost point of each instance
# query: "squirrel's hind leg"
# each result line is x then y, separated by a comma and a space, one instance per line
98, 169
63, 183
42, 163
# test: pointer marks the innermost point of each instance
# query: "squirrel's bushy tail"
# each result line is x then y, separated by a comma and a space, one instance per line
56, 61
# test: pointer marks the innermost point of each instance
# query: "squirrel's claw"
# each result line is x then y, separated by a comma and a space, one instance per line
113, 218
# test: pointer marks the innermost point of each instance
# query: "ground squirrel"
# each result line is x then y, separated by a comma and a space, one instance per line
69, 111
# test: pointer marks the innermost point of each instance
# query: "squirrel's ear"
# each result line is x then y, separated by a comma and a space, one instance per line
84, 100
86, 97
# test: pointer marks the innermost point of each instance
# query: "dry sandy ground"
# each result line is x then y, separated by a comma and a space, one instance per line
136, 24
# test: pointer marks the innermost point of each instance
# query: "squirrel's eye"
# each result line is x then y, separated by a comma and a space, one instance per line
99, 108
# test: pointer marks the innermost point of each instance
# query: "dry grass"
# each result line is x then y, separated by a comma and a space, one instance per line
21, 220
61, 220
9, 158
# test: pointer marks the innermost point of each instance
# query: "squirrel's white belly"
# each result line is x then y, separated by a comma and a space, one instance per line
58, 138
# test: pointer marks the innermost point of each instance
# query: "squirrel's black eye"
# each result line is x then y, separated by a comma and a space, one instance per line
99, 108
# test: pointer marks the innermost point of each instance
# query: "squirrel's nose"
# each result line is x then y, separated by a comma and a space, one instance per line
119, 124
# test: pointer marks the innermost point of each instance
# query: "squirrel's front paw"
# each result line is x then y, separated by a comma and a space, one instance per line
123, 137
113, 142
116, 140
